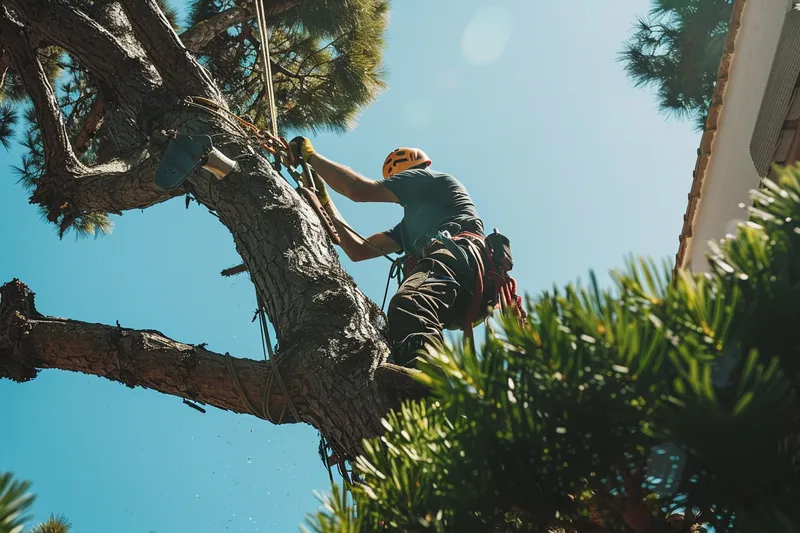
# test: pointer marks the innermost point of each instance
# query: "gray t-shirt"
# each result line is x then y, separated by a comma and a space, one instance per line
432, 202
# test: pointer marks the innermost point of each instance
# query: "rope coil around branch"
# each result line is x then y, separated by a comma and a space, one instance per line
266, 343
274, 376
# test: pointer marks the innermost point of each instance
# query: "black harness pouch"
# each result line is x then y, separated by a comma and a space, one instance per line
500, 250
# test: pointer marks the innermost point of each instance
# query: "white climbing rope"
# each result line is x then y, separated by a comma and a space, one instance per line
261, 24
266, 342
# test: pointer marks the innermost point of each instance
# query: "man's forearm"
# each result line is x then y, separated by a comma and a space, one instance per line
342, 179
351, 243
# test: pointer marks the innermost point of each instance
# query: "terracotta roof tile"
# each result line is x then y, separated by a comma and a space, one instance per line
707, 141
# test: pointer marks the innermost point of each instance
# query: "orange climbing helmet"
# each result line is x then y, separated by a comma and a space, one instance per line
402, 159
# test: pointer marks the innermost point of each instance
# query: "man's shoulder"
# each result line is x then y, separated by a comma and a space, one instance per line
422, 173
409, 180
439, 174
413, 173
419, 180
447, 180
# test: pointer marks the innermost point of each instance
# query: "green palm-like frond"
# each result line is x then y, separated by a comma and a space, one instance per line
667, 403
15, 501
54, 524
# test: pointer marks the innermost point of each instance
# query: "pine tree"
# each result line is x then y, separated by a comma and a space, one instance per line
677, 50
668, 403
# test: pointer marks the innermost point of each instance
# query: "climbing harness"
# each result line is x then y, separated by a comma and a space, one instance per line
493, 286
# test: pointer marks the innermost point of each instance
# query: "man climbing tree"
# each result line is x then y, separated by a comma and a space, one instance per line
441, 234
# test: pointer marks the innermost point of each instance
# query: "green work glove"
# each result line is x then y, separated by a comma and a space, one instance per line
301, 148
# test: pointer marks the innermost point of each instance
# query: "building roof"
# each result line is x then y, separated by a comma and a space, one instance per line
704, 152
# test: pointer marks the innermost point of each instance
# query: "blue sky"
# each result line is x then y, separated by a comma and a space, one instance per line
523, 101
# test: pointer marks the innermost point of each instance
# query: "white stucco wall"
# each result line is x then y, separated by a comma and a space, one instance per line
731, 173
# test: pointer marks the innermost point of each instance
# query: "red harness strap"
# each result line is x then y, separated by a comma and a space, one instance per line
505, 287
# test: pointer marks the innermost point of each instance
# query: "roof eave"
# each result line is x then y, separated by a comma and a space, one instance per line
704, 152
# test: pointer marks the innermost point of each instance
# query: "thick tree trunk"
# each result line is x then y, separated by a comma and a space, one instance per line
329, 333
328, 330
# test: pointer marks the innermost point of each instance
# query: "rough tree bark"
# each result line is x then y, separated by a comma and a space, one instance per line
329, 334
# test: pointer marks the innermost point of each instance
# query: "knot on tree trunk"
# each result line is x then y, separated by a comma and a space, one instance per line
16, 306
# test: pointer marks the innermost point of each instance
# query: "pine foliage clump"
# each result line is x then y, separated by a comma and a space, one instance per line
326, 61
326, 66
666, 404
677, 50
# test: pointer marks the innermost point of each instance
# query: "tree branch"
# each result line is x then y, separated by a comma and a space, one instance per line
68, 189
30, 341
198, 36
5, 64
57, 149
274, 65
179, 69
130, 76
113, 187
232, 271
89, 128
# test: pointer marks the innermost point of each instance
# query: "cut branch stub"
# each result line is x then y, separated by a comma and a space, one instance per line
16, 303
15, 296
232, 271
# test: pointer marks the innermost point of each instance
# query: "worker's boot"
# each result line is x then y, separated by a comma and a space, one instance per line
409, 350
